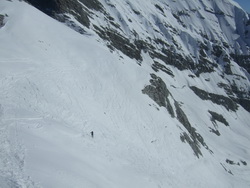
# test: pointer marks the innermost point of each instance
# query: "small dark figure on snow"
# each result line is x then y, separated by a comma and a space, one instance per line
92, 134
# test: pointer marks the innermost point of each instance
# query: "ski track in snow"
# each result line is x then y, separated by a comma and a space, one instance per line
12, 157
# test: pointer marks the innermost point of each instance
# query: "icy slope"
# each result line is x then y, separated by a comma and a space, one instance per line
56, 86
199, 35
179, 23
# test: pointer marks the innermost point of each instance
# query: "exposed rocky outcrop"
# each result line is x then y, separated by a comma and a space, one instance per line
239, 163
215, 131
241, 97
56, 8
158, 66
194, 139
218, 117
245, 103
192, 142
117, 41
170, 57
158, 92
1, 20
47, 6
231, 162
227, 102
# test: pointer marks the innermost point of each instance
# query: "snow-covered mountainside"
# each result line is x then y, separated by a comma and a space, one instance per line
109, 93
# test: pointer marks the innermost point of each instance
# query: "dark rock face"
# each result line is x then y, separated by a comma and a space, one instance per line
245, 103
244, 163
243, 97
215, 131
55, 7
227, 88
194, 139
242, 60
76, 9
1, 20
227, 102
205, 66
181, 116
169, 57
158, 92
158, 66
218, 117
119, 42
231, 162
93, 4
47, 6
193, 144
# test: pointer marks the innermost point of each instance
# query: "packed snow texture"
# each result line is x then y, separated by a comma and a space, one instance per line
56, 86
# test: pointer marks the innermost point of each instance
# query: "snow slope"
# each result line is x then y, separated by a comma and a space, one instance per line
56, 86
221, 21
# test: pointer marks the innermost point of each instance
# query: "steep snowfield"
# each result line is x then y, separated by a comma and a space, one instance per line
189, 21
56, 86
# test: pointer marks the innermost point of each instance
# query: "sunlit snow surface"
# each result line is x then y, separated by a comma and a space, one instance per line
56, 86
